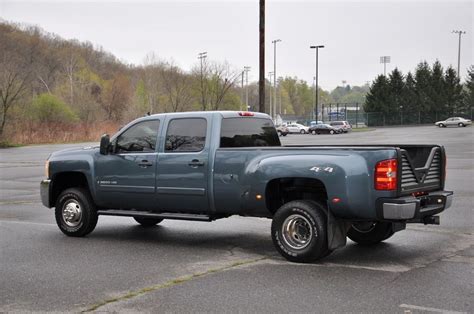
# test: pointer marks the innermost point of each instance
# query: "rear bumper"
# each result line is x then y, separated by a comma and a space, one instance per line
45, 192
413, 209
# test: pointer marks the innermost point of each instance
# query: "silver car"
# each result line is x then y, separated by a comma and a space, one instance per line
454, 121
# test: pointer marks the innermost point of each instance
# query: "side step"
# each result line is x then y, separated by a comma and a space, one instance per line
136, 213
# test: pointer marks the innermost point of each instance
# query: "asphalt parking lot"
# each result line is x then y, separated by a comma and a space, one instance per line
230, 265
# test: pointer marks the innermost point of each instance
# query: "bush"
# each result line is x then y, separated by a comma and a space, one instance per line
49, 109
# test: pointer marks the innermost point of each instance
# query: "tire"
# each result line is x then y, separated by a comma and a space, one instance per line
148, 222
279, 133
313, 132
75, 212
302, 132
331, 132
370, 233
307, 241
441, 125
460, 124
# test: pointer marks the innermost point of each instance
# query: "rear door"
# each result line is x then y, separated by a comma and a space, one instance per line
182, 171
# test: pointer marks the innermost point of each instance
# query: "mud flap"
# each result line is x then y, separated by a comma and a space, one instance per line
337, 232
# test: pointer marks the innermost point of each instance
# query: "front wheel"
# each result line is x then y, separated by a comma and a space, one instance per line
148, 222
441, 125
313, 132
460, 124
370, 233
331, 132
302, 132
75, 212
279, 133
299, 231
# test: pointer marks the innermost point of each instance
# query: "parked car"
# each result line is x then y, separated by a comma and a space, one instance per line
204, 166
454, 121
341, 125
324, 129
282, 130
297, 128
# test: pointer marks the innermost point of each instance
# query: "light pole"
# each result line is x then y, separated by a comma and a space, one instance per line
270, 79
385, 60
242, 93
459, 49
274, 42
201, 57
246, 70
315, 109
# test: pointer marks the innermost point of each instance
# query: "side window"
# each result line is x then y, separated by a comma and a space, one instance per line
186, 135
140, 137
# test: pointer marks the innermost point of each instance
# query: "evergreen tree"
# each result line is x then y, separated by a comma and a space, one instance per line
396, 88
468, 101
424, 90
409, 94
377, 99
437, 92
453, 91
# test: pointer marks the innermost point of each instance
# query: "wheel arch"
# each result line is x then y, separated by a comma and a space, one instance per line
65, 180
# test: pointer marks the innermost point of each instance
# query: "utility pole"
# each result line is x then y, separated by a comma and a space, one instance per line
246, 70
385, 60
316, 79
242, 93
201, 57
261, 80
274, 42
459, 51
274, 99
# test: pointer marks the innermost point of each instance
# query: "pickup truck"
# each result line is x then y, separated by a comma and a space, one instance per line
205, 166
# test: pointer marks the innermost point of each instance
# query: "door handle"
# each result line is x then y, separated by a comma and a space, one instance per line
145, 164
196, 163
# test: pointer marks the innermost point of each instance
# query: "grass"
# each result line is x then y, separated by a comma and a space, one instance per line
7, 144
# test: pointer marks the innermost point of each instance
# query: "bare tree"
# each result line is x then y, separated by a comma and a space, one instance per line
177, 87
221, 79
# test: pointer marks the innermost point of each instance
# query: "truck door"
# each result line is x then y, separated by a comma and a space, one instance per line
125, 178
182, 170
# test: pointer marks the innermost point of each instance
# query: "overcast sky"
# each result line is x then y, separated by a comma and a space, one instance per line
355, 33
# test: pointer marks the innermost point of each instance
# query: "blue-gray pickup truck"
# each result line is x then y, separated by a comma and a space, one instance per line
209, 165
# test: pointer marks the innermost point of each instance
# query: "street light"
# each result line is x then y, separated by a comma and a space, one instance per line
384, 60
270, 79
246, 70
274, 42
315, 109
201, 57
459, 49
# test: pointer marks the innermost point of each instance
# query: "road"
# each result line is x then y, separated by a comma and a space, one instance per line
230, 265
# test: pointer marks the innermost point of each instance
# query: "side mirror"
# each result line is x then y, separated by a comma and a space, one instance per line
104, 144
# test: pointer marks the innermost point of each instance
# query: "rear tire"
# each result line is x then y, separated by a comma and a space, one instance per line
75, 212
370, 233
302, 132
279, 133
331, 132
441, 125
148, 222
299, 231
460, 124
313, 132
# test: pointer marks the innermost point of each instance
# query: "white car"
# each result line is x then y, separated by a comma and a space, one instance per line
297, 128
455, 121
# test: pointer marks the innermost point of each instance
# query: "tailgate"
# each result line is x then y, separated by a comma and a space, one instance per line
422, 168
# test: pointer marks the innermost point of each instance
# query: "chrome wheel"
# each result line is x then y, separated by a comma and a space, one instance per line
297, 231
72, 213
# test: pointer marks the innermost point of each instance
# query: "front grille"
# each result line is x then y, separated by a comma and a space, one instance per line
423, 178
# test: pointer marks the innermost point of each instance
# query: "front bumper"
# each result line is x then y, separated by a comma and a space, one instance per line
45, 192
413, 209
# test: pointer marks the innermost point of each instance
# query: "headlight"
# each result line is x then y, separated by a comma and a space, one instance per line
46, 169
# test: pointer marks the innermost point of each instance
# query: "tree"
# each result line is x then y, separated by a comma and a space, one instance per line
221, 79
116, 96
410, 103
438, 86
468, 101
453, 91
424, 89
377, 99
396, 88
177, 88
49, 109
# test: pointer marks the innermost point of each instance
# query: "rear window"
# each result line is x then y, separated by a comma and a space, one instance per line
337, 123
248, 132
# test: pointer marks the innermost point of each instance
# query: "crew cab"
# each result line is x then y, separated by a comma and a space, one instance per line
205, 166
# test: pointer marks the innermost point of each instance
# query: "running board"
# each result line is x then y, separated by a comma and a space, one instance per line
143, 214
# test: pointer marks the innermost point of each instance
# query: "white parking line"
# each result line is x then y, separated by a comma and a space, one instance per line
429, 309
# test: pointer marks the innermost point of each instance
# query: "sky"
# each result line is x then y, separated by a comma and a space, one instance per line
355, 33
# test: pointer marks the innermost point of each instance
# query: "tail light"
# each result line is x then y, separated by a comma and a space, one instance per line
386, 175
246, 114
